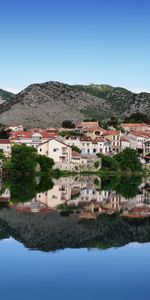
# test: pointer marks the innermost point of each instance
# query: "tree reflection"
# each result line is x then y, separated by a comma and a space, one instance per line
127, 187
25, 188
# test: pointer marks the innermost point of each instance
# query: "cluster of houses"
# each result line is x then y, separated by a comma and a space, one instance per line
89, 137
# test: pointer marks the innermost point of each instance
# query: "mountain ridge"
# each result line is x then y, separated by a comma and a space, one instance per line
48, 104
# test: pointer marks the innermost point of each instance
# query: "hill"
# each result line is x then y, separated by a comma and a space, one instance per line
5, 96
50, 103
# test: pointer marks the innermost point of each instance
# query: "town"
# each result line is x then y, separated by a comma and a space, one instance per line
77, 149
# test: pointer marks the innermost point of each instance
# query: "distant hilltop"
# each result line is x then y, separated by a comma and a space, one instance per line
48, 104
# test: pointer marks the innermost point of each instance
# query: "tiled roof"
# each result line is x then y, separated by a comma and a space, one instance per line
112, 132
124, 139
87, 124
141, 133
5, 142
76, 154
134, 125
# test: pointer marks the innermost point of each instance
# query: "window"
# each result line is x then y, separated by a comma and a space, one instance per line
55, 150
40, 149
94, 150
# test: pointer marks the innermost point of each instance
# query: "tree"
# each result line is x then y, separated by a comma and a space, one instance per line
129, 160
113, 121
68, 124
24, 159
109, 163
70, 133
45, 163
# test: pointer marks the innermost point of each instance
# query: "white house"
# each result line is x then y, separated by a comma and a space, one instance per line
137, 140
124, 143
55, 149
5, 147
16, 128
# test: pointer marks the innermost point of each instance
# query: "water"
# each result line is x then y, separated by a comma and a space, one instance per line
49, 251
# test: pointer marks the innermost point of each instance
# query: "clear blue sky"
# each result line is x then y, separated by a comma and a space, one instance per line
93, 41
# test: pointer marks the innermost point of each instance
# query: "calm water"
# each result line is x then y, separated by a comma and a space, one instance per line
76, 240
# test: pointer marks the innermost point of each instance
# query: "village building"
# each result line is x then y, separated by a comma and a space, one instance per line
114, 137
146, 147
55, 149
83, 125
5, 147
31, 138
137, 140
16, 128
124, 143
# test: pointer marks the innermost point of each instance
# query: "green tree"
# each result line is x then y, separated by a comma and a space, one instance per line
113, 121
67, 124
45, 163
24, 159
129, 160
109, 163
70, 133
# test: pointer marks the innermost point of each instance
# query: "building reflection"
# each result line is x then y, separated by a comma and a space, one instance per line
84, 196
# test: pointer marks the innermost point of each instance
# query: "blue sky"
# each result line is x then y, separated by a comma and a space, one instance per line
75, 42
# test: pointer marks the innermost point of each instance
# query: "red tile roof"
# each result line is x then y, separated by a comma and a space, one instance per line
134, 125
5, 142
112, 132
124, 139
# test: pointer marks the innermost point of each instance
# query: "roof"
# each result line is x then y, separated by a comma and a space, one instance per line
59, 141
131, 125
5, 142
85, 139
140, 133
76, 154
112, 132
124, 139
93, 129
29, 134
87, 124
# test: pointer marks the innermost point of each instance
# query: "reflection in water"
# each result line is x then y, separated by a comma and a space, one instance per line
76, 211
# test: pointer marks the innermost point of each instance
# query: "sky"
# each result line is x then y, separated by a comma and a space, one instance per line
75, 42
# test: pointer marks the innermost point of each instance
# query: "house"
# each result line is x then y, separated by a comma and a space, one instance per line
16, 128
5, 147
146, 148
114, 137
137, 140
87, 146
81, 125
55, 149
124, 143
94, 132
104, 145
72, 141
31, 138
